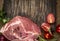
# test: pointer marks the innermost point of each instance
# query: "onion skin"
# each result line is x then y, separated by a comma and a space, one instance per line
50, 18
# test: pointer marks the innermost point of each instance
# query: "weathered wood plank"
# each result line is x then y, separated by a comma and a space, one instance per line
36, 10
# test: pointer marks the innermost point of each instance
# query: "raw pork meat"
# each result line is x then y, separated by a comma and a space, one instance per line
21, 28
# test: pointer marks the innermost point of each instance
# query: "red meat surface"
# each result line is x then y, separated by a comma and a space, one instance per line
21, 29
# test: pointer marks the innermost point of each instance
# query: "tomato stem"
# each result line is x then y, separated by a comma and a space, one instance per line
41, 39
50, 31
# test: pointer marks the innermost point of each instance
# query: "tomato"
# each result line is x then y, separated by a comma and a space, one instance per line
45, 26
58, 29
50, 18
47, 35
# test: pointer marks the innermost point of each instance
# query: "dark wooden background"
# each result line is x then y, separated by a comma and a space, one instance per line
36, 7
36, 10
58, 11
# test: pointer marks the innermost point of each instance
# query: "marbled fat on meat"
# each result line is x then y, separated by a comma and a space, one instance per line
21, 28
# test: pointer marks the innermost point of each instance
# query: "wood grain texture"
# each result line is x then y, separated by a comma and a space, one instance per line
1, 4
36, 10
58, 12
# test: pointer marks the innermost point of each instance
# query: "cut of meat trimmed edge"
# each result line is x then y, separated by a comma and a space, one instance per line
35, 29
